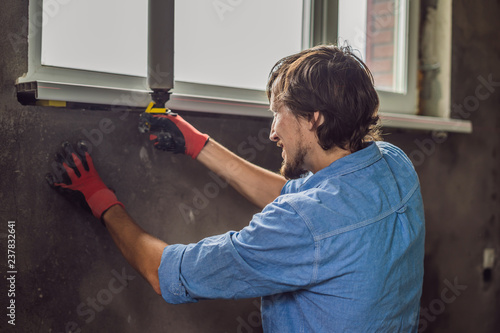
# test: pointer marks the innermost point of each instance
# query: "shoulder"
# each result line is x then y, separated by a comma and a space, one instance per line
293, 185
285, 206
278, 223
389, 150
396, 159
288, 211
299, 209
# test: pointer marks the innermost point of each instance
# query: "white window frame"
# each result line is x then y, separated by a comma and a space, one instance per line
61, 85
320, 19
187, 96
407, 58
320, 26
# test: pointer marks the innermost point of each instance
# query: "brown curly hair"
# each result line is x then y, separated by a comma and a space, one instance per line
335, 82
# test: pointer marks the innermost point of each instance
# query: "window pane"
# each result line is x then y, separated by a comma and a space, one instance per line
97, 35
234, 42
378, 28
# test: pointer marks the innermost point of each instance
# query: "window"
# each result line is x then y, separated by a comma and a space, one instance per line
385, 33
378, 30
222, 50
221, 43
69, 36
386, 40
80, 54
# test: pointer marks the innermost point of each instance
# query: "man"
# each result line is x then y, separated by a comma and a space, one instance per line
337, 248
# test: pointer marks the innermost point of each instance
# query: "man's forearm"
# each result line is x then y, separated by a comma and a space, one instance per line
141, 250
257, 184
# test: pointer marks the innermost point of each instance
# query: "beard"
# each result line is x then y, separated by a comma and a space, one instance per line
293, 169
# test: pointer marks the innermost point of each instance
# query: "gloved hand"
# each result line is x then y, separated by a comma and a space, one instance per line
170, 132
77, 179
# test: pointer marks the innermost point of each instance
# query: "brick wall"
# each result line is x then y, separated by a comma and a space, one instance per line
380, 41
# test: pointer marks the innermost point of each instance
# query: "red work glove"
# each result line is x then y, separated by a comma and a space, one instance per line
172, 133
77, 178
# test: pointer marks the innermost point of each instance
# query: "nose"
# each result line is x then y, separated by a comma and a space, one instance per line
272, 134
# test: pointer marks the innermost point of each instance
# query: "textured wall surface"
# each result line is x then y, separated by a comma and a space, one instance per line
71, 276
461, 185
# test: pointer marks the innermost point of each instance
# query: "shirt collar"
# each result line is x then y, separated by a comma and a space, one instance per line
350, 163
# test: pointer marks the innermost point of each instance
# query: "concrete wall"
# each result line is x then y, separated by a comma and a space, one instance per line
71, 276
461, 184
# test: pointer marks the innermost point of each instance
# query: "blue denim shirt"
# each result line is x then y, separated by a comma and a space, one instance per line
338, 251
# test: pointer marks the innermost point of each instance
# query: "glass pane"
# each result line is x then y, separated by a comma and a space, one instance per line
378, 29
97, 35
234, 42
230, 43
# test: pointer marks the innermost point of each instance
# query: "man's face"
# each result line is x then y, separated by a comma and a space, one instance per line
288, 133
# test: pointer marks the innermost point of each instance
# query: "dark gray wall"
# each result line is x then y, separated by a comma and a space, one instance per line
66, 259
461, 183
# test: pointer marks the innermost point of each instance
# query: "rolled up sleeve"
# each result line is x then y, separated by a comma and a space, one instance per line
274, 254
172, 288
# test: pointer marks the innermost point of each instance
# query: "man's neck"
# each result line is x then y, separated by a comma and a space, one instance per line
320, 159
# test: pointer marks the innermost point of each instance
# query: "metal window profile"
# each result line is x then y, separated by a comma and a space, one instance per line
320, 25
325, 30
189, 96
161, 16
91, 87
425, 123
324, 22
405, 102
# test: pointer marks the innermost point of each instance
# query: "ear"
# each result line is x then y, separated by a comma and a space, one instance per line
316, 120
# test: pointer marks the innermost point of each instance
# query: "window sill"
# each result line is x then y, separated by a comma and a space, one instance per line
394, 120
51, 91
183, 102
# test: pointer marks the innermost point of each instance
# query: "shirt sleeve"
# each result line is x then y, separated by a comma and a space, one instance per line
273, 254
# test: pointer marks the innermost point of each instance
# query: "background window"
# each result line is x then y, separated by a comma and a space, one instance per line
379, 30
95, 51
225, 49
234, 43
79, 35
